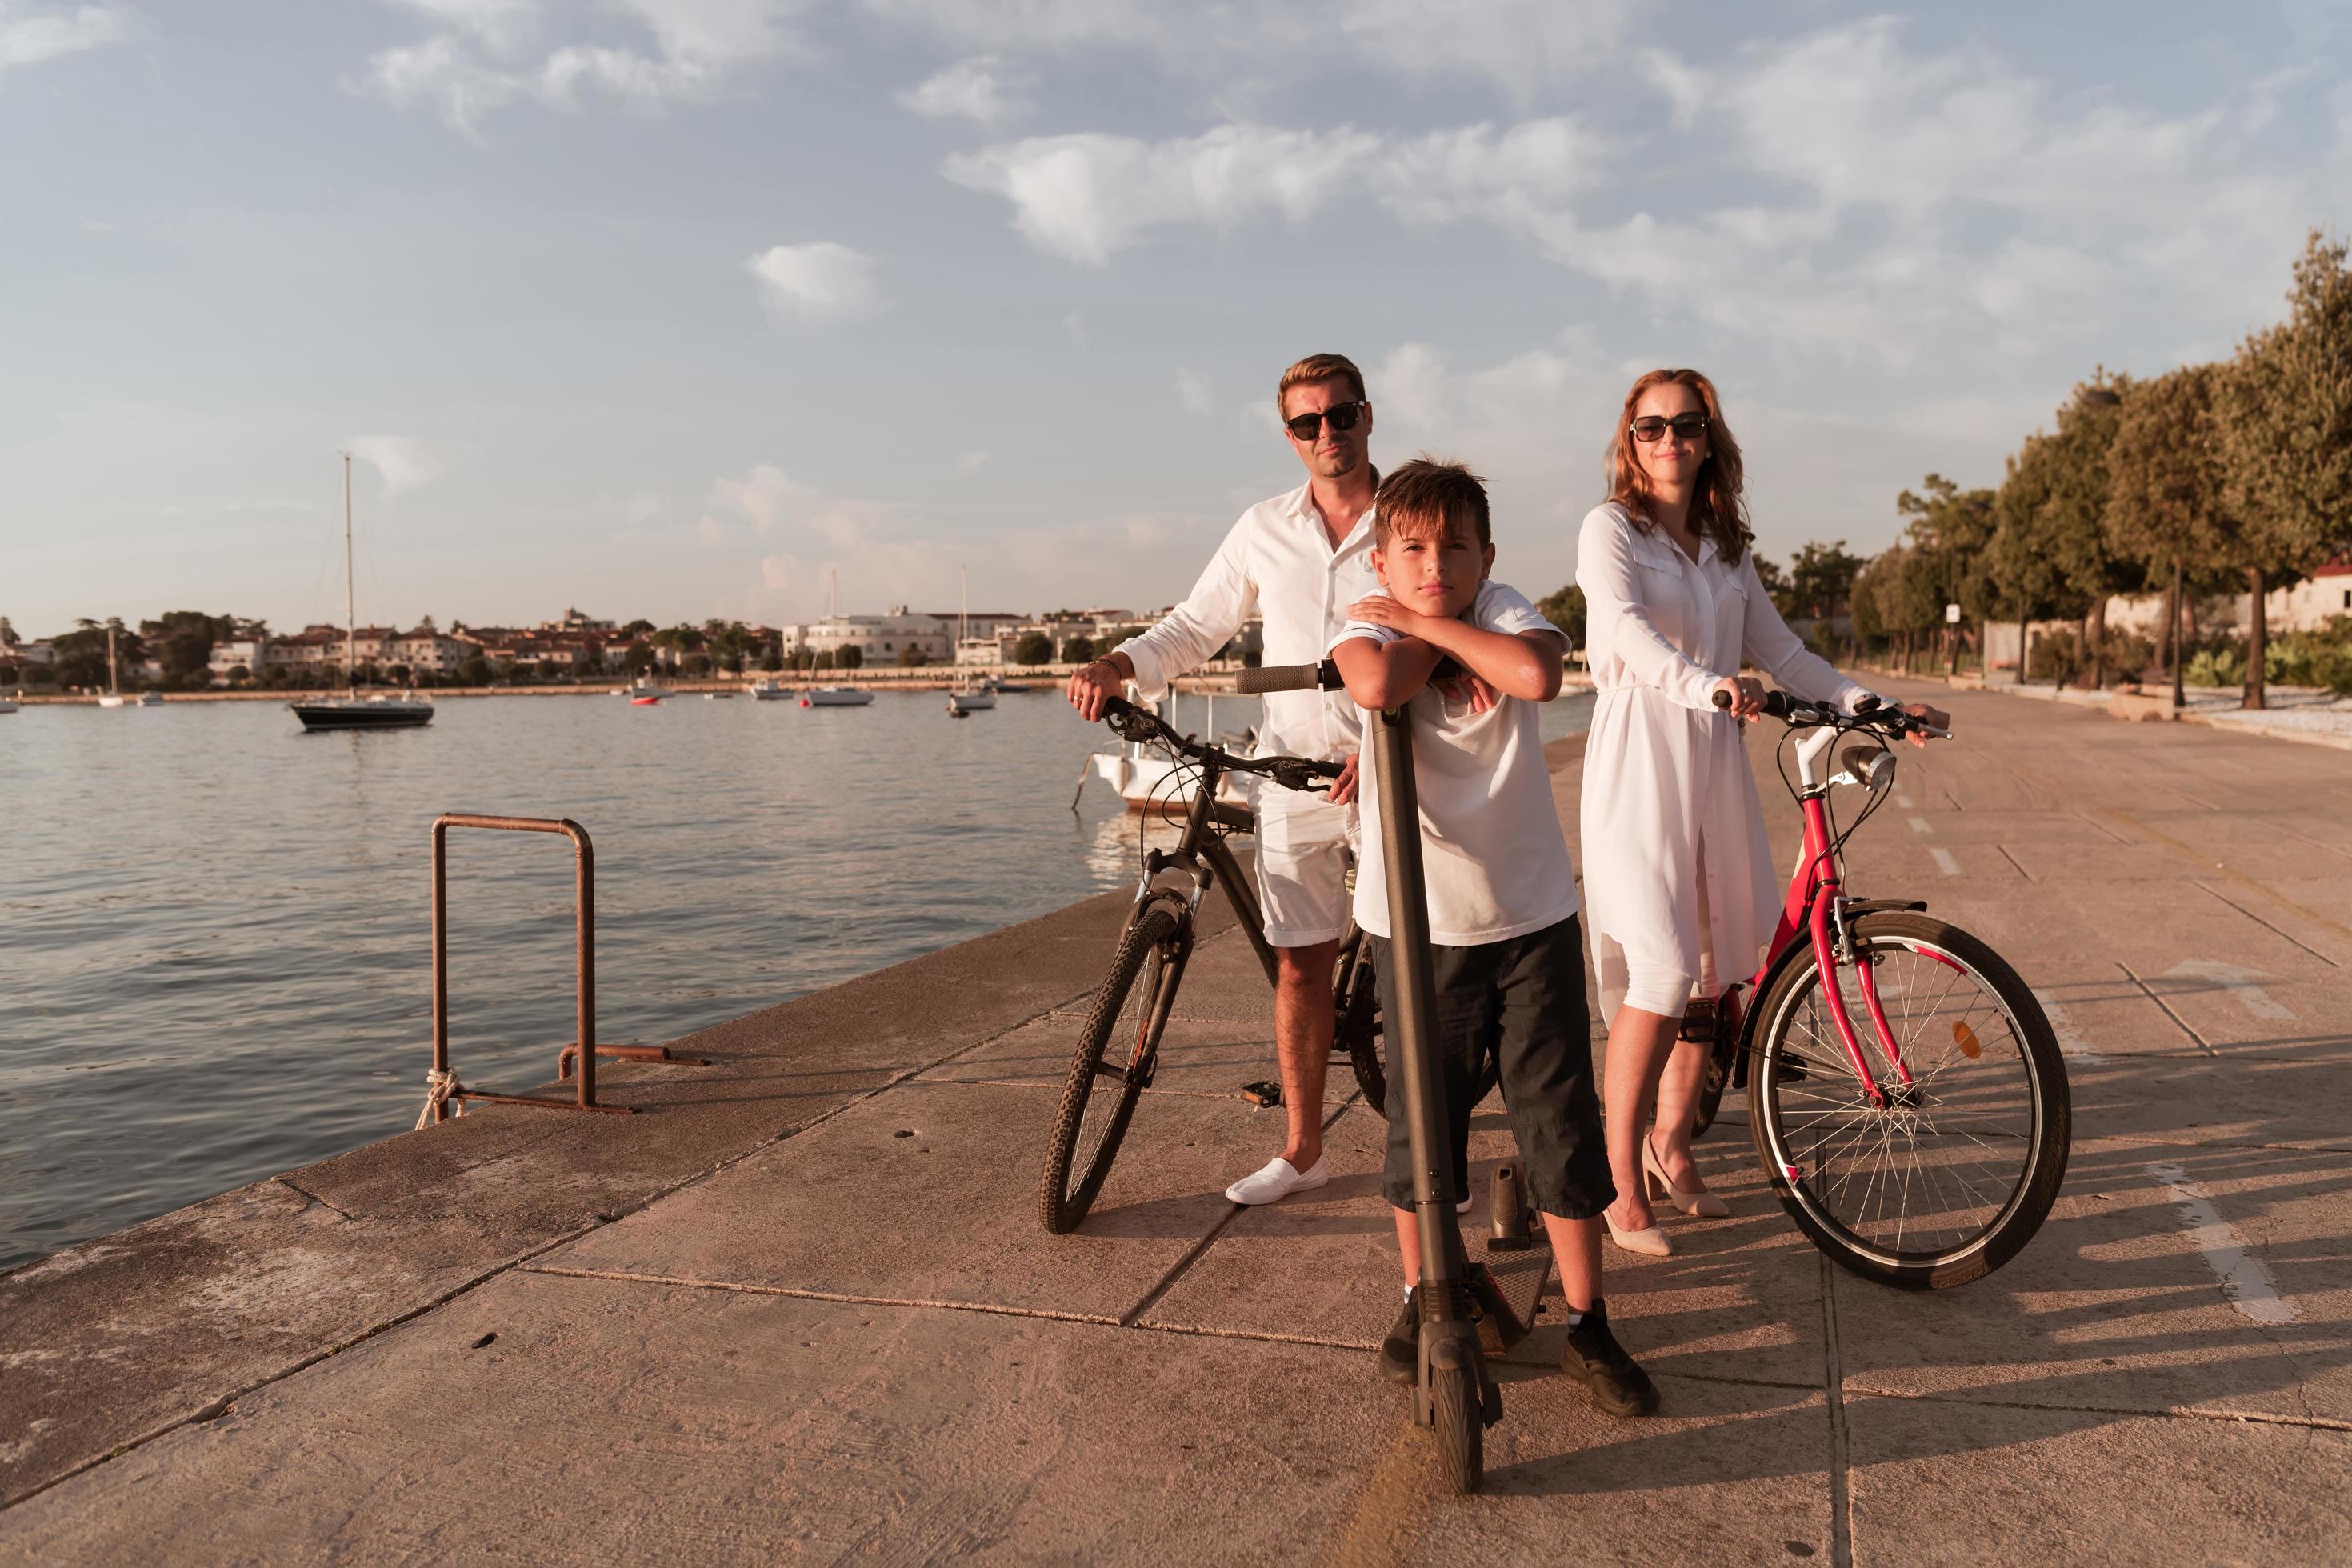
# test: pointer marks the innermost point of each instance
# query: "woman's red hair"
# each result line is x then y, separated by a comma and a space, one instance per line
1718, 510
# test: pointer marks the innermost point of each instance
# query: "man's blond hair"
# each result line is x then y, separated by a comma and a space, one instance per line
1312, 369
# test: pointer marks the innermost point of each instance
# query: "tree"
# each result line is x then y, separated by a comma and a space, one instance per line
849, 656
2284, 417
1034, 648
474, 671
2165, 503
1775, 581
82, 653
1078, 649
1821, 582
1950, 528
2074, 514
2024, 579
1564, 607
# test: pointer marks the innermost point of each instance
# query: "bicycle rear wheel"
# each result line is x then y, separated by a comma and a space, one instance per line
1357, 1031
1947, 1179
1122, 1026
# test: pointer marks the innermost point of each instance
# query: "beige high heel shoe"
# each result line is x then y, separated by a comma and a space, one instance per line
1699, 1205
1649, 1241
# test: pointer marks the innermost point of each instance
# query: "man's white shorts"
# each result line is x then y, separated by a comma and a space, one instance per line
1302, 866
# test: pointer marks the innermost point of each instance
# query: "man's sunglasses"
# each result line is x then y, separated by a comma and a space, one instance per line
1342, 415
1650, 426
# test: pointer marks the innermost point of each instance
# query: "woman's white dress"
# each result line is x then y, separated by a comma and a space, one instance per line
1665, 773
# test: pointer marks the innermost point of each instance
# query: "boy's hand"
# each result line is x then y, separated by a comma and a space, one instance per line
1382, 611
1343, 788
1480, 696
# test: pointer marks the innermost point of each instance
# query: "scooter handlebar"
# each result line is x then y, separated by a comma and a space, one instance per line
1268, 677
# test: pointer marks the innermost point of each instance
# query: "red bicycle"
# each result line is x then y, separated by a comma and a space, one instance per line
1923, 1147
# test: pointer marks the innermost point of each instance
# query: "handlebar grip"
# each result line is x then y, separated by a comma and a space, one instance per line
1723, 700
1268, 677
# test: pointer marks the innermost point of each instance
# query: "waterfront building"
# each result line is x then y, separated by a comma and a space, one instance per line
230, 653
886, 638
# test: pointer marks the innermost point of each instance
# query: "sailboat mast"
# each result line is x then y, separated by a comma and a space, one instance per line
350, 592
113, 675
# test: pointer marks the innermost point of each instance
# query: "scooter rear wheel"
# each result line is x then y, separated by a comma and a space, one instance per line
1461, 1434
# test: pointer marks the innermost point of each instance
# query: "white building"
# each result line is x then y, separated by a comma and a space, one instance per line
886, 638
229, 653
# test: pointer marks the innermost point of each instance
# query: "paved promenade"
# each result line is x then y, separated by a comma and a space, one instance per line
803, 1308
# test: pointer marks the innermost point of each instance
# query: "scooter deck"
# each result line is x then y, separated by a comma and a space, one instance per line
1523, 1276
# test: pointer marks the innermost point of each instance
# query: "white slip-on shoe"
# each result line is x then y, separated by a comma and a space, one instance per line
1277, 1179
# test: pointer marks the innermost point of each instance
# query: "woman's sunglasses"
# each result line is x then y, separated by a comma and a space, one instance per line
1650, 426
1342, 415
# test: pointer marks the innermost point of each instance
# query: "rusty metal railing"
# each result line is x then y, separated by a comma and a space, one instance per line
443, 1085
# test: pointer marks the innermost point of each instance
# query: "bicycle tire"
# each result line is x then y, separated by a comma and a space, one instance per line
1715, 1077
1814, 1177
1461, 1431
1148, 944
1359, 1030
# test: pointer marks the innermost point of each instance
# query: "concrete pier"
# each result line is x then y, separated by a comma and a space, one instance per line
803, 1308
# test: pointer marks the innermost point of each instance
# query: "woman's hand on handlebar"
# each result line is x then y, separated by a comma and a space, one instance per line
1922, 711
1091, 684
1741, 696
1343, 788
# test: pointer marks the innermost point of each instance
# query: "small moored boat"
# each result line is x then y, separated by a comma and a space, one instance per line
836, 697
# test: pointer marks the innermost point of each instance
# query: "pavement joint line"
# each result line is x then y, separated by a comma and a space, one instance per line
837, 1298
2316, 843
2170, 1412
2190, 852
2014, 861
2171, 1140
1833, 1385
2168, 1013
285, 1181
2103, 827
2266, 924
1955, 800
220, 1403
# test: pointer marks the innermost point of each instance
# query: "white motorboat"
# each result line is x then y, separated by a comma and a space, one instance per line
836, 697
7, 705
375, 710
116, 699
151, 699
1142, 774
769, 690
974, 702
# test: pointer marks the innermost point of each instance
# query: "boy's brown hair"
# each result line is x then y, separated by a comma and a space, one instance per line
1314, 368
1428, 498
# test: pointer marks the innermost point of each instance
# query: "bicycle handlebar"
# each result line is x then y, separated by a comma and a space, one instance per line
1291, 773
1869, 714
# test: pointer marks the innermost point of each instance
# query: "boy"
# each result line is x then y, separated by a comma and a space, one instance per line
1501, 892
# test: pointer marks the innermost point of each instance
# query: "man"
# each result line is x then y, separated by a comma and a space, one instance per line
1299, 560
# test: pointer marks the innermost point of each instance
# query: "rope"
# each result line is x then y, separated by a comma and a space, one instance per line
438, 1086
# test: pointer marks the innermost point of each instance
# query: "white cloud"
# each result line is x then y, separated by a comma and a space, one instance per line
28, 37
1522, 44
641, 52
978, 89
1087, 195
1193, 391
818, 281
403, 464
971, 462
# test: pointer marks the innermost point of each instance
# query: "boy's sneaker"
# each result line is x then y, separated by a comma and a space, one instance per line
1619, 1384
1401, 1351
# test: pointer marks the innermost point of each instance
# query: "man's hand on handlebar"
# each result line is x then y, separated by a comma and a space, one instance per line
1343, 788
1741, 696
1090, 684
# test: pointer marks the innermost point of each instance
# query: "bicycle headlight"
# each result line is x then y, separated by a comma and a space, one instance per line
1870, 766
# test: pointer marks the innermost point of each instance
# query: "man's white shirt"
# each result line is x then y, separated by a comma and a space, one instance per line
1494, 861
1277, 561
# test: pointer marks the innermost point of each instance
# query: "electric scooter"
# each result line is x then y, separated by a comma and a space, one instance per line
1455, 1393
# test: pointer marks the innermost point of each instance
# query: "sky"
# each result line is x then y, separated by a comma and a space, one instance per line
689, 308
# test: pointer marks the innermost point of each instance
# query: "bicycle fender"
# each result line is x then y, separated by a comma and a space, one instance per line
1883, 906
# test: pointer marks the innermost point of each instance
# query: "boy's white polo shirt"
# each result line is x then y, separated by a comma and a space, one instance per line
1494, 858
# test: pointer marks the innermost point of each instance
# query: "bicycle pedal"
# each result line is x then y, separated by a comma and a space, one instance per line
1262, 1094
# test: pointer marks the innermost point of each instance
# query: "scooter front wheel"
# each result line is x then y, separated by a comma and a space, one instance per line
1461, 1433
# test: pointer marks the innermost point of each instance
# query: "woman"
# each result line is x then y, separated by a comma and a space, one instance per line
1678, 885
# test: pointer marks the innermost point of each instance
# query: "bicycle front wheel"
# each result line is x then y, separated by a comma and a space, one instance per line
1115, 1054
1952, 1174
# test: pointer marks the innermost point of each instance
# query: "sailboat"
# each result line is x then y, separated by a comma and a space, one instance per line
113, 698
967, 697
379, 711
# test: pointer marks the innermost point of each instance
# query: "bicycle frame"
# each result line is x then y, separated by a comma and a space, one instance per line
1202, 856
1816, 906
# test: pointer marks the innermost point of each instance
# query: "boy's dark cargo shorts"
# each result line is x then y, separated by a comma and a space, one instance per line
1522, 998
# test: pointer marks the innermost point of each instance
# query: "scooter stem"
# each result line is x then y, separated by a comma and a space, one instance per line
1412, 1031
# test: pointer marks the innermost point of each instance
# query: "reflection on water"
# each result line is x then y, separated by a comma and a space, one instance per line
213, 927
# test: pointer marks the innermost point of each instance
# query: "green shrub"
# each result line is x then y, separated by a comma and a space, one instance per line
2223, 665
